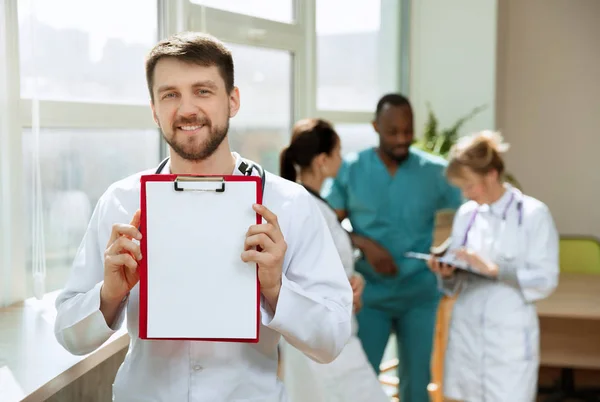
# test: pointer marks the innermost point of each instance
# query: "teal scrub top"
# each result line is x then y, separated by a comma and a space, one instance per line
398, 212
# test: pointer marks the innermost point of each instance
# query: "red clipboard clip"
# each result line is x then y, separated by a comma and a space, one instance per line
190, 183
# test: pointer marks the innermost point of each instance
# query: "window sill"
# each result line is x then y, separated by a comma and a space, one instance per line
33, 365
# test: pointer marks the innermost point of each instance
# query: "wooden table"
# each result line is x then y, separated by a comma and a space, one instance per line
570, 323
33, 365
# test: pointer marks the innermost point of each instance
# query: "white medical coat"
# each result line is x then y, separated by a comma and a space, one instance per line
350, 377
313, 311
493, 346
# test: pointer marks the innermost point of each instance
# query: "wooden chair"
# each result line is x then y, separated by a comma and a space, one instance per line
444, 313
440, 341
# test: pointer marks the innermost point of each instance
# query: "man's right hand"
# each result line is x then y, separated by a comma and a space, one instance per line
121, 263
379, 258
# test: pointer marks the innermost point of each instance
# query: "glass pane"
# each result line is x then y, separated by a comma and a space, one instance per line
348, 47
76, 167
262, 126
276, 10
86, 50
356, 137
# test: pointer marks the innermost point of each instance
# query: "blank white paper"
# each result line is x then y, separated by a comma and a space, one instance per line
198, 285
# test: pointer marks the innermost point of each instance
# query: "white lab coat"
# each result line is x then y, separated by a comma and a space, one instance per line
350, 377
493, 347
313, 311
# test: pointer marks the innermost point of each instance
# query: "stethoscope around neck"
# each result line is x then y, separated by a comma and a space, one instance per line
513, 196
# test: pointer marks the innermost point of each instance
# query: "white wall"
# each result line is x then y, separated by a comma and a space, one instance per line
453, 60
548, 104
537, 64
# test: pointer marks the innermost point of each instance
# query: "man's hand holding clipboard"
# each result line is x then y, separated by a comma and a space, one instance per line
120, 266
266, 247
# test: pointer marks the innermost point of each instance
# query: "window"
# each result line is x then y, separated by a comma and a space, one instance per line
355, 54
276, 10
81, 66
347, 54
76, 168
356, 137
262, 126
76, 50
84, 61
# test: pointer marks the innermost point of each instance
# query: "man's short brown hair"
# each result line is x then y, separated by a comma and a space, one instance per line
195, 48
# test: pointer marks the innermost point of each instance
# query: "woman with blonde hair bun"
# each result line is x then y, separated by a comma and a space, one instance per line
502, 259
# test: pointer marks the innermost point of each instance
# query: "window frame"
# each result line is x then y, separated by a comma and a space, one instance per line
12, 249
252, 31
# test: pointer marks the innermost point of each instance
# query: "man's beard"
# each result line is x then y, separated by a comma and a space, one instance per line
397, 158
187, 149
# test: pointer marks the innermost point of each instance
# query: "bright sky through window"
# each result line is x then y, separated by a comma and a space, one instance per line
131, 21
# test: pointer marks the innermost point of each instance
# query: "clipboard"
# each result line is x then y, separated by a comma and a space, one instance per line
449, 260
193, 282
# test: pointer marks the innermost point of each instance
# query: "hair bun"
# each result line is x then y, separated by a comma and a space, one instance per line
494, 140
479, 151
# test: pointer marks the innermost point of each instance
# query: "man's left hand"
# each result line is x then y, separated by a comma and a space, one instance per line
477, 262
266, 247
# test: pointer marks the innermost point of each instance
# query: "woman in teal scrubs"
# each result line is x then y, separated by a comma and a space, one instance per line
391, 194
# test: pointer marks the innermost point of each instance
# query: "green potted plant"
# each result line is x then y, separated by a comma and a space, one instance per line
439, 141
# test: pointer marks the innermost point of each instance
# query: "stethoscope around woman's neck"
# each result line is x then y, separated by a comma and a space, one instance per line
514, 194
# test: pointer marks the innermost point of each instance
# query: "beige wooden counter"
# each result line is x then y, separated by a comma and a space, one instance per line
570, 323
33, 366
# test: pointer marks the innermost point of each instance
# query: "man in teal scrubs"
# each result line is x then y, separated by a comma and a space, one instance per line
391, 195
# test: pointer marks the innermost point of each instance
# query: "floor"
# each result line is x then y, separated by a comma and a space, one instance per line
583, 378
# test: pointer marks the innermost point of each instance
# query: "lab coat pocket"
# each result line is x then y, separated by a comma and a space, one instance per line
531, 337
512, 344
